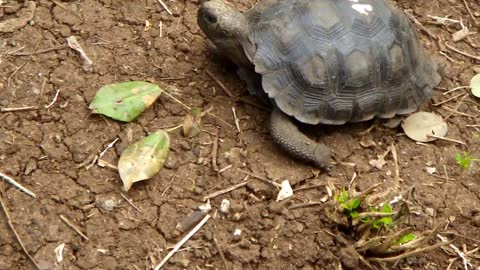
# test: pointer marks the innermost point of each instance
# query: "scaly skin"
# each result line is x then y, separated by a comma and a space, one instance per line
286, 134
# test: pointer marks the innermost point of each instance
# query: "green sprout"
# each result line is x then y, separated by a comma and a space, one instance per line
384, 221
405, 239
465, 160
350, 205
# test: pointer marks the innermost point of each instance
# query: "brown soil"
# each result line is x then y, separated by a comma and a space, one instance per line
49, 150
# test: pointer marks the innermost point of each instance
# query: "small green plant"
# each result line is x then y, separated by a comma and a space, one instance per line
406, 238
350, 205
386, 222
465, 160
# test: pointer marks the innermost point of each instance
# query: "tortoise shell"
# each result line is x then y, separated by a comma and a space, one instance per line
338, 61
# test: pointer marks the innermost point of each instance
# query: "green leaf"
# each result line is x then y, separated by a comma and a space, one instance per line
353, 203
406, 238
464, 160
475, 85
342, 197
143, 159
384, 221
125, 101
354, 214
387, 208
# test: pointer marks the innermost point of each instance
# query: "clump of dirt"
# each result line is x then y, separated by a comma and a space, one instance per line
50, 150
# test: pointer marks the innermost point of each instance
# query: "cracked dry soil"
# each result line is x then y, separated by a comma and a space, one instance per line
48, 150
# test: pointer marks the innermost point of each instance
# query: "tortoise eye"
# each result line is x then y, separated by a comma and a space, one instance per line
211, 18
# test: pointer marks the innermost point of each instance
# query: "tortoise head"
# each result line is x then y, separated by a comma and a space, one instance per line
227, 28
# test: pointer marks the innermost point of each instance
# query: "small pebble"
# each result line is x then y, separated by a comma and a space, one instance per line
225, 206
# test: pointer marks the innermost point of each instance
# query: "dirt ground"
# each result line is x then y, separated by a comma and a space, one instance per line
50, 150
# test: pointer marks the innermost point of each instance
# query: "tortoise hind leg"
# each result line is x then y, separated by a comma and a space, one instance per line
293, 141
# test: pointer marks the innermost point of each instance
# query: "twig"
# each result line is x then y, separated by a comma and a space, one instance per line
455, 89
470, 12
164, 6
129, 201
462, 52
73, 227
449, 99
110, 145
215, 152
397, 168
223, 191
54, 100
408, 254
189, 108
10, 180
224, 88
446, 56
374, 215
19, 109
17, 50
229, 166
217, 245
446, 139
455, 111
237, 122
419, 24
103, 163
64, 46
275, 184
22, 66
181, 242
465, 260
309, 187
10, 224
301, 205
169, 184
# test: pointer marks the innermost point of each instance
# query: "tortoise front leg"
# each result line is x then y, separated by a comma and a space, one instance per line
292, 140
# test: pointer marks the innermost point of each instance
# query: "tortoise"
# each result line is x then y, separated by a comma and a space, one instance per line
323, 62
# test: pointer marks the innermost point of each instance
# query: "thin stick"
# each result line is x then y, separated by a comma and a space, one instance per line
23, 65
73, 227
462, 52
456, 88
301, 205
110, 145
64, 46
17, 50
309, 187
450, 99
228, 167
446, 139
397, 167
420, 25
215, 152
470, 12
19, 109
223, 191
189, 108
217, 245
164, 6
129, 201
224, 88
181, 242
10, 180
10, 224
408, 254
237, 122
455, 111
275, 184
54, 100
